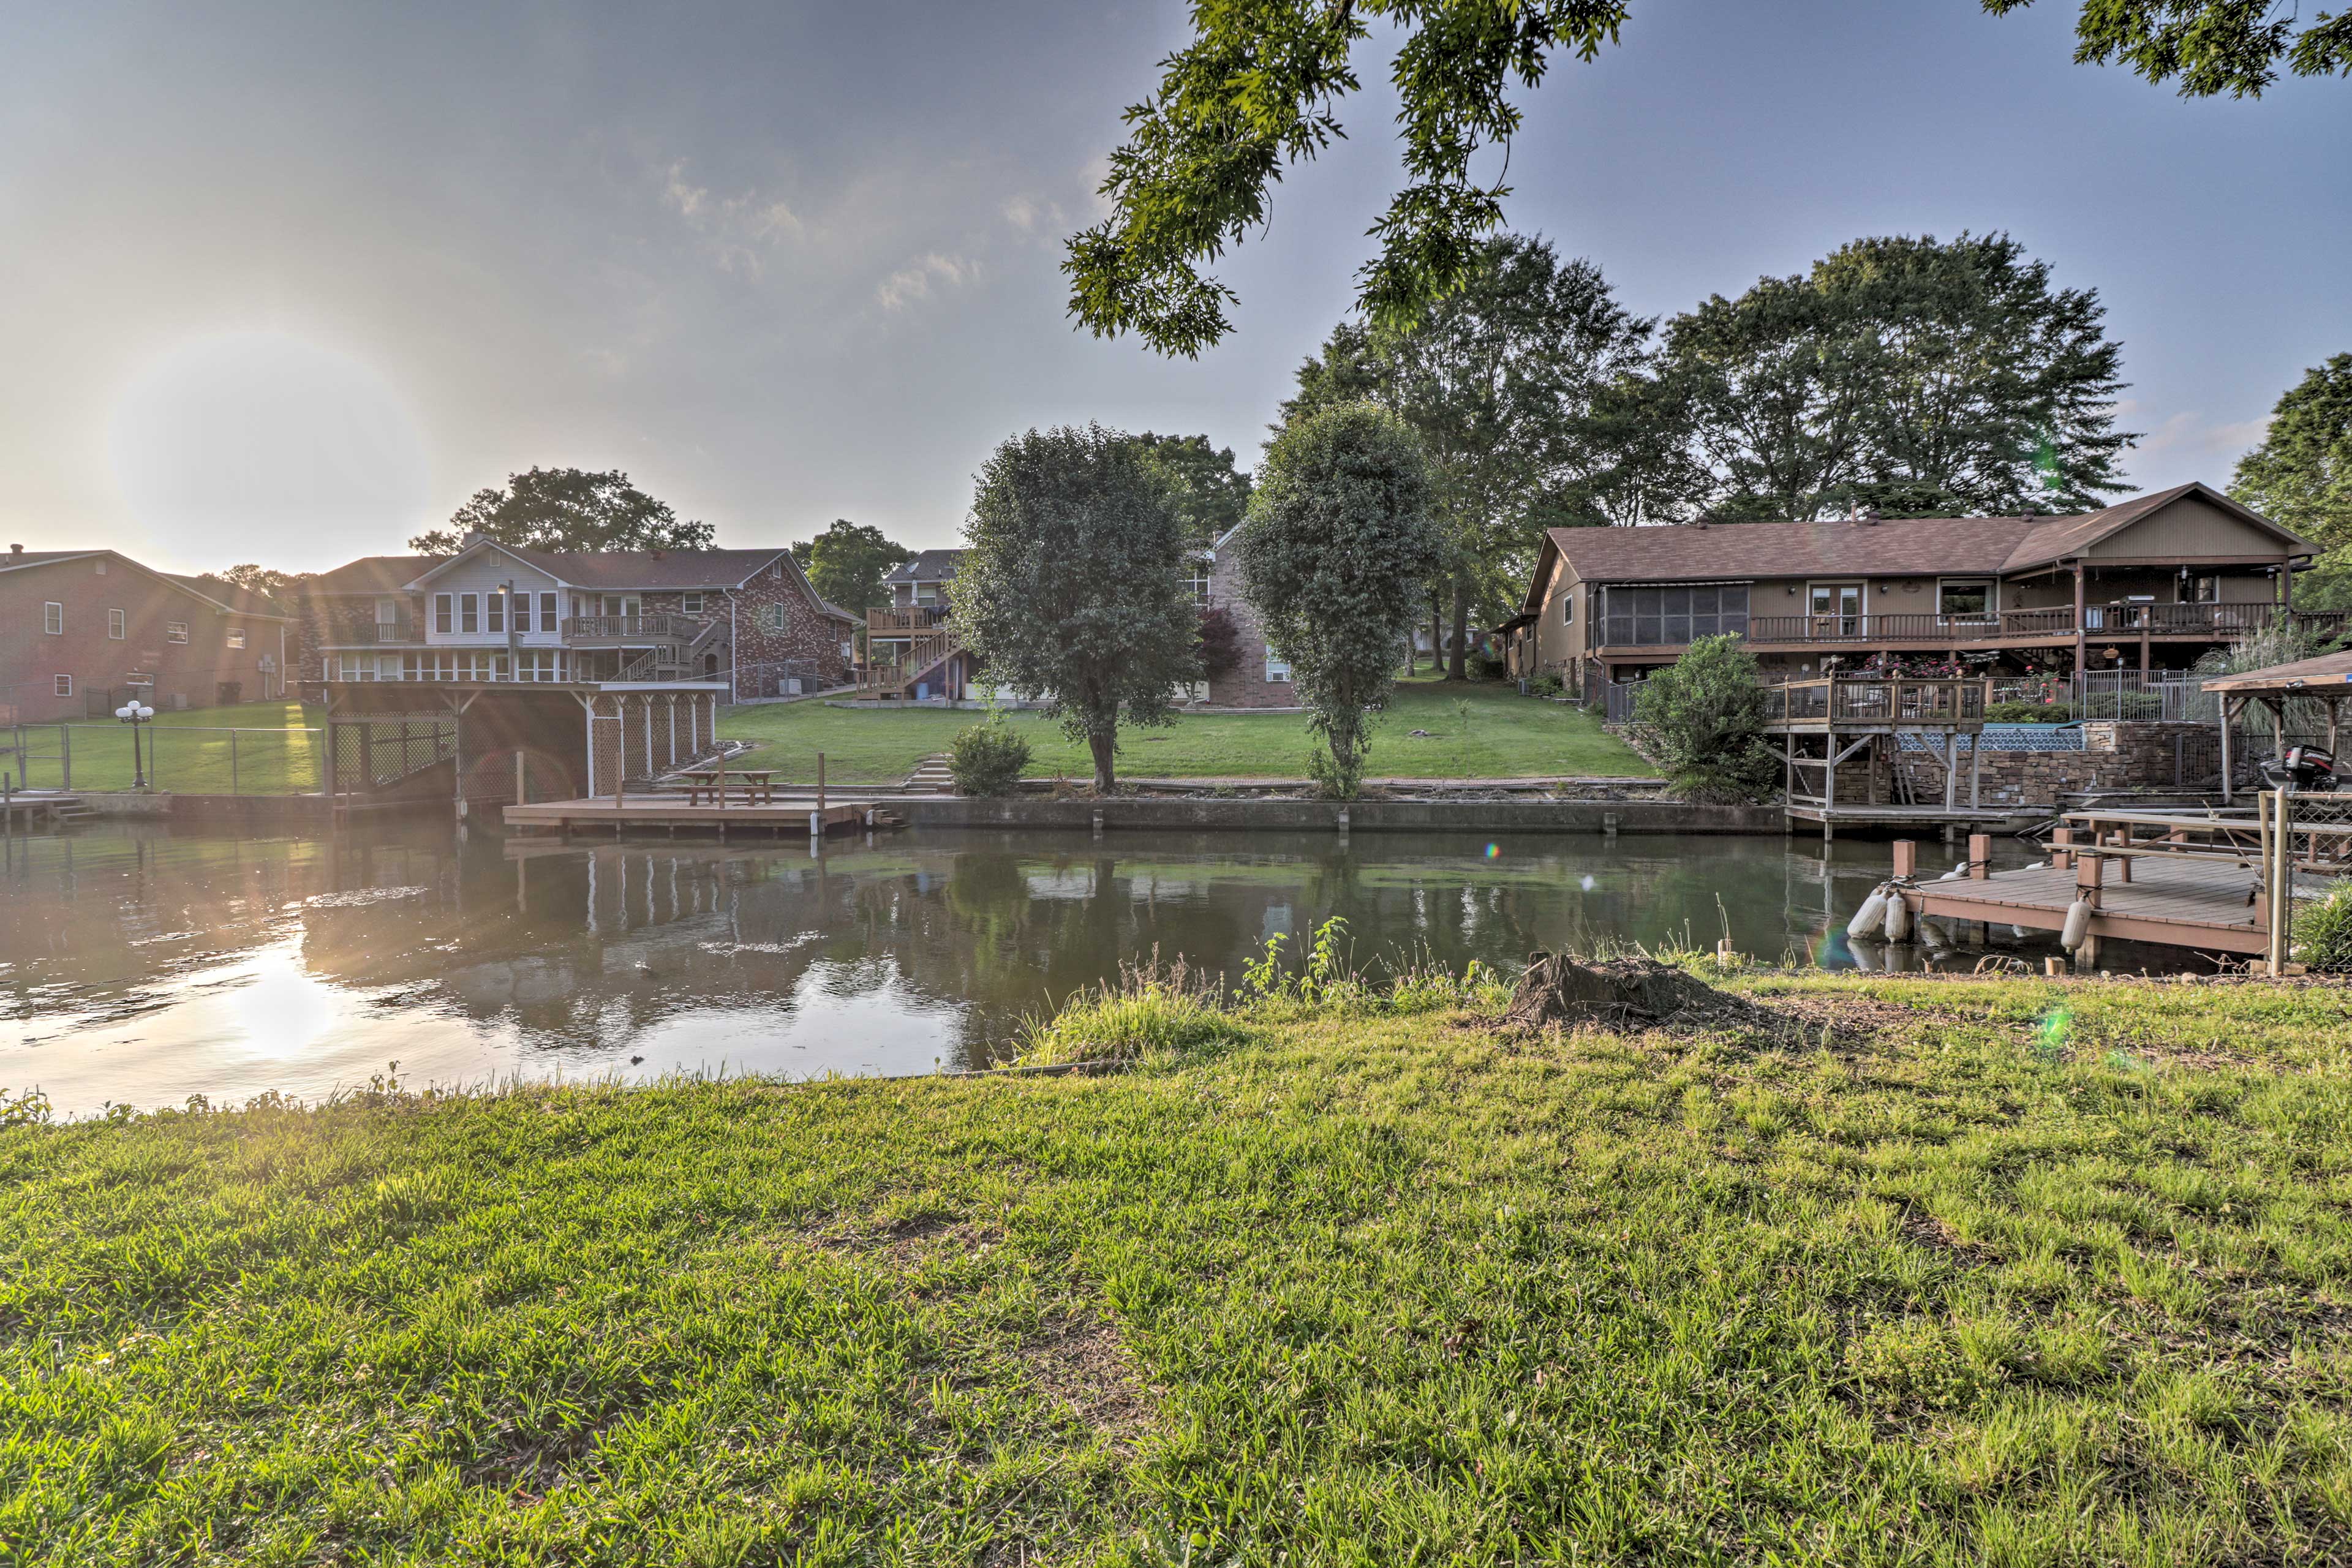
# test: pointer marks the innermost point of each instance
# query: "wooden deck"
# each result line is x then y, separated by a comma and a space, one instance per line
2177, 901
668, 813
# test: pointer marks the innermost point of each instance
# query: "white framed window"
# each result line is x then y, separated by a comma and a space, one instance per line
1568, 607
61, 684
547, 612
469, 612
176, 631
498, 612
522, 612
98, 565
1965, 599
772, 617
441, 614
114, 625
387, 612
53, 618
236, 636
1277, 668
690, 603
1203, 585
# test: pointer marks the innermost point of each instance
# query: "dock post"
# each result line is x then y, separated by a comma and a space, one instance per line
1979, 856
1099, 822
2061, 857
820, 783
1906, 857
2278, 878
2089, 877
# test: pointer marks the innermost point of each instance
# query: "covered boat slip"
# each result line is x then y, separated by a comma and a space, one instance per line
2303, 691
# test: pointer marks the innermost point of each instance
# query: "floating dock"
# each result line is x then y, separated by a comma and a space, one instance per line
665, 812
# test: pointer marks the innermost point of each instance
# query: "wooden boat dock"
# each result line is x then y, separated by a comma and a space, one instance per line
666, 812
2174, 879
1851, 716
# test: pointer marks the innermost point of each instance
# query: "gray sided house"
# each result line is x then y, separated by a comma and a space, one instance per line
494, 613
2147, 584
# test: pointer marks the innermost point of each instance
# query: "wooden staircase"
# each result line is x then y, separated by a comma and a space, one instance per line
898, 677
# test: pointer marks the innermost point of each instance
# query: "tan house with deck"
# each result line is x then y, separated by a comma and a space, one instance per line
2149, 584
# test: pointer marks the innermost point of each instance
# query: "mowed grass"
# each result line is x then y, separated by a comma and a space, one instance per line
189, 752
1476, 730
1989, 1272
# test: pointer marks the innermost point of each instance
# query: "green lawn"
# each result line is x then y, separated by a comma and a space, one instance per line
1484, 730
184, 754
2013, 1272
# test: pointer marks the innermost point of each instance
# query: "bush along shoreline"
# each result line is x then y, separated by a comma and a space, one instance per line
1339, 1268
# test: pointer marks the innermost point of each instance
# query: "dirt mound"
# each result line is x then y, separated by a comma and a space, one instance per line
1557, 989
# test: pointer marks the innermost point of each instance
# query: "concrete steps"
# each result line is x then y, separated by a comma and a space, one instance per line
931, 776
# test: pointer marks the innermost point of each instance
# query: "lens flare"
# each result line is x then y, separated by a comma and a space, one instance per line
1493, 850
2051, 1030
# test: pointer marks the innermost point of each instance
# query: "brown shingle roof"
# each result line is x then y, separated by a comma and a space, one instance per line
370, 575
1897, 547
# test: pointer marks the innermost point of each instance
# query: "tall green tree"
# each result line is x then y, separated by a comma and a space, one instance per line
266, 581
2208, 45
2301, 476
1075, 584
567, 509
1208, 492
1915, 376
847, 562
1259, 87
1338, 544
1500, 381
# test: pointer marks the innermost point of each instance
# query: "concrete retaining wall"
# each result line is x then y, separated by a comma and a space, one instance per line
1369, 815
246, 811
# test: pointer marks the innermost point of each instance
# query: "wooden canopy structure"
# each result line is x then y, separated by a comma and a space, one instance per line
2327, 680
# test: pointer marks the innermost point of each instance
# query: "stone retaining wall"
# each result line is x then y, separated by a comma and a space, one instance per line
1366, 816
2117, 754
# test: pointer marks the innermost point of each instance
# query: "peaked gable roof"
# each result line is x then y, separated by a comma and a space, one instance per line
927, 567
1894, 547
225, 598
659, 570
370, 574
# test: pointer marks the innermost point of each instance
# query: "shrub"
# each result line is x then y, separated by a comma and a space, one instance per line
988, 758
1487, 666
2323, 933
1704, 717
1546, 686
2029, 713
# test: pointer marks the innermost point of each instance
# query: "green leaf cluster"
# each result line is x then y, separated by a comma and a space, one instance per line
1074, 585
847, 562
1338, 543
1704, 717
567, 509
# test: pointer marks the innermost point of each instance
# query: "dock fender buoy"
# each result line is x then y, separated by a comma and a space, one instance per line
1867, 919
2077, 928
1898, 919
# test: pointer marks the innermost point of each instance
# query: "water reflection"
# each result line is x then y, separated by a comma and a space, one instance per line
143, 967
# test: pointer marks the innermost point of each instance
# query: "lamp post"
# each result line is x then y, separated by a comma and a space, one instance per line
135, 713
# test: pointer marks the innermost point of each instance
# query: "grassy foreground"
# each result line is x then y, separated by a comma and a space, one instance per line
2000, 1272
1478, 730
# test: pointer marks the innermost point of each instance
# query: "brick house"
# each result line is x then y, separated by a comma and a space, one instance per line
2149, 584
84, 630
1261, 680
499, 613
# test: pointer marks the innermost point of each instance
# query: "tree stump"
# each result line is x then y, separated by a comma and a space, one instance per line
1557, 989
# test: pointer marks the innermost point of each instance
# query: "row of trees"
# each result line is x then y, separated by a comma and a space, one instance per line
1915, 376
1074, 585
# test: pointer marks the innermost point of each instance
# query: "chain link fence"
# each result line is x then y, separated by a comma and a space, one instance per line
180, 759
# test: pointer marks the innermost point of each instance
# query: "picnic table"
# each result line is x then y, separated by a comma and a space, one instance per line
757, 785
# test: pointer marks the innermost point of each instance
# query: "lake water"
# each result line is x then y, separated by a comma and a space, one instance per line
140, 966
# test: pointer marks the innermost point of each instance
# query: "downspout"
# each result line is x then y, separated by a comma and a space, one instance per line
734, 657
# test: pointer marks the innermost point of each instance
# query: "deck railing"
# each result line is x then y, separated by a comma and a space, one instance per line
2220, 622
1865, 699
904, 620
596, 629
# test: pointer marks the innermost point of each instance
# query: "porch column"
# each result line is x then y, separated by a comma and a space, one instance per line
2080, 639
673, 729
649, 736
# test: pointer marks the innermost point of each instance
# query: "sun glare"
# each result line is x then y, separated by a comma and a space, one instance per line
259, 446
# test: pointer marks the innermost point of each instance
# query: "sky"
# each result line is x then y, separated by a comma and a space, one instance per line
286, 283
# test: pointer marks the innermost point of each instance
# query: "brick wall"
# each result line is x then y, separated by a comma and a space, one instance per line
187, 673
1248, 686
777, 618
2117, 754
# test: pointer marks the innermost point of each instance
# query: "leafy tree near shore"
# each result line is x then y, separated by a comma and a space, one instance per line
266, 581
1208, 492
1074, 585
566, 510
1704, 718
847, 562
2301, 476
1500, 384
1338, 543
1258, 89
1915, 376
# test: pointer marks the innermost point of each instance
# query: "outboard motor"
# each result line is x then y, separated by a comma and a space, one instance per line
2305, 769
